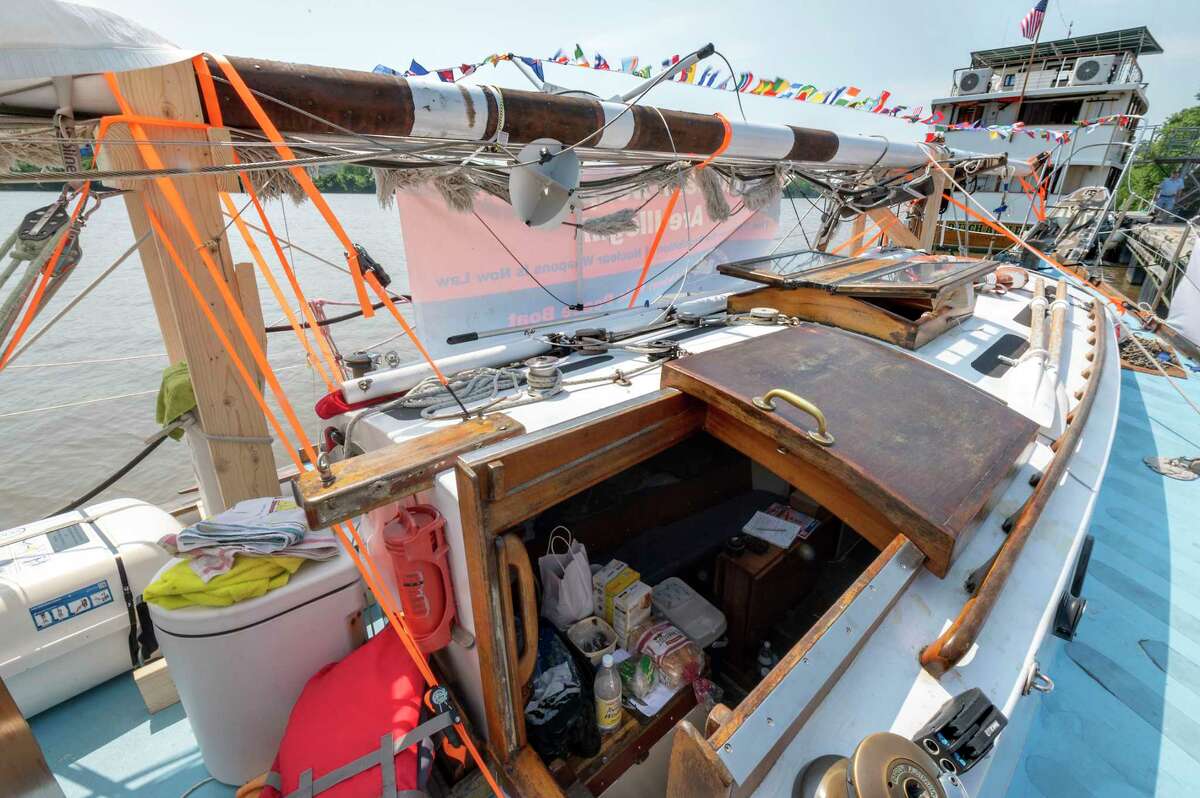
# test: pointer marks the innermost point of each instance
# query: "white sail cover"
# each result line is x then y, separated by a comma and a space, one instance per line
40, 39
463, 280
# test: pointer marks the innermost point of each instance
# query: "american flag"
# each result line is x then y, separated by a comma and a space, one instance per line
1032, 24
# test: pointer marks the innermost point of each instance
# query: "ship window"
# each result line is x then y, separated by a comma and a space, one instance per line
968, 113
1058, 112
1010, 80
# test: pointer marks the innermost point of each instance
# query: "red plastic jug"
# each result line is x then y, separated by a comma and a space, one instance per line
416, 540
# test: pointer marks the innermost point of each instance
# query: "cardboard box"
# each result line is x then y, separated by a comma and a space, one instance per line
607, 584
631, 609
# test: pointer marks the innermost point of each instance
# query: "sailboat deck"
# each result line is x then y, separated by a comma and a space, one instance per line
1119, 722
1122, 718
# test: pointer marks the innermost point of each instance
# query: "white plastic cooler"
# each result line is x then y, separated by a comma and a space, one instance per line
239, 669
64, 618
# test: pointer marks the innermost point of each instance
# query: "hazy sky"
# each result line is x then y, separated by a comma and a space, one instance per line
908, 48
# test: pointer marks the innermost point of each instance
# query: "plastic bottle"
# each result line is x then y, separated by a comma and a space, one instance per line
608, 696
766, 659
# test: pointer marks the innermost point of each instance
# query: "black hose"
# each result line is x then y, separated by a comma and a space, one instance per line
120, 472
354, 314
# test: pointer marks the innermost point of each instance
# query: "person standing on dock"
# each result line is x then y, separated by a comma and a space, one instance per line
1168, 191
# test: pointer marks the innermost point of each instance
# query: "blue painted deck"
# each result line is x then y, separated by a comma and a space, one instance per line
103, 743
1124, 718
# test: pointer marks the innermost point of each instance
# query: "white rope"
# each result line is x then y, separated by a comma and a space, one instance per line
86, 362
83, 402
77, 404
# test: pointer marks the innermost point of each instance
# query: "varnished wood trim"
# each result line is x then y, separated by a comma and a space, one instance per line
952, 645
544, 469
505, 731
694, 770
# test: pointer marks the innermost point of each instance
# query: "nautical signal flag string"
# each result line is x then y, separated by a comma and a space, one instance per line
848, 96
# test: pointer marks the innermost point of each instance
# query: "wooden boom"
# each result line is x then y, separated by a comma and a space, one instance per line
387, 105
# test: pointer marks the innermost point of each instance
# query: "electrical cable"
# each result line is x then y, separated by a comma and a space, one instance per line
120, 472
335, 319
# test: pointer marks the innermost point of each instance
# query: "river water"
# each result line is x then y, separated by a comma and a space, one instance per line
54, 454
80, 402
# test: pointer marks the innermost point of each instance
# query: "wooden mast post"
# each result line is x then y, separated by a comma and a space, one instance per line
227, 471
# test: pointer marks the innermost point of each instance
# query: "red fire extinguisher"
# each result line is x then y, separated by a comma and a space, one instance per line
416, 540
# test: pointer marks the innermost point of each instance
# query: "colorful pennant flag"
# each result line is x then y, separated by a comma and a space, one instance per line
535, 65
601, 63
416, 69
580, 58
447, 75
380, 69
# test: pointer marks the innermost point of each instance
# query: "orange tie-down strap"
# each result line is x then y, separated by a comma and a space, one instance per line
301, 176
364, 563
662, 226
31, 310
331, 372
866, 229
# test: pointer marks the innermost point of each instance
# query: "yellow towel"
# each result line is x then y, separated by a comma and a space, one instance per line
249, 577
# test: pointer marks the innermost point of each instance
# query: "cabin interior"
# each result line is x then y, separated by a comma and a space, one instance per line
680, 514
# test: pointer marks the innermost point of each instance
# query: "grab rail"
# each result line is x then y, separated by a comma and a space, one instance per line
944, 653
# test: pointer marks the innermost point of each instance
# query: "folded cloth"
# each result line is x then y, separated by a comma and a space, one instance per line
213, 560
250, 577
265, 526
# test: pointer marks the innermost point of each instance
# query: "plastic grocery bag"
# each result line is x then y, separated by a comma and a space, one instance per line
566, 580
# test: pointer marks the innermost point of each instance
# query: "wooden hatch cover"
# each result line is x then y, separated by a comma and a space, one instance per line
901, 296
916, 450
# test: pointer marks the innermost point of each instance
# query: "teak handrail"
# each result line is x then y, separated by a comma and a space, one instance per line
948, 650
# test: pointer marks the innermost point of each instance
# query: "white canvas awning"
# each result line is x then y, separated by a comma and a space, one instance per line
46, 38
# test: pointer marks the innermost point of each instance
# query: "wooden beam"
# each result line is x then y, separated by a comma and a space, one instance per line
893, 228
929, 216
225, 405
858, 227
247, 293
155, 684
359, 484
23, 769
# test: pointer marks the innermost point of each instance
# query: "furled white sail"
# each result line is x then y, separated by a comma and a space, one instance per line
46, 38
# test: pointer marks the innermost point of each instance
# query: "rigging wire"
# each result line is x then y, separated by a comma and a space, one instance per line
77, 299
736, 93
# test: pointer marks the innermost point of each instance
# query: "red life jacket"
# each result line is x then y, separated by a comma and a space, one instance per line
352, 715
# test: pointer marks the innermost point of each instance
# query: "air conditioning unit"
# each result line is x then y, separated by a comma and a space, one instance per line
1092, 69
975, 81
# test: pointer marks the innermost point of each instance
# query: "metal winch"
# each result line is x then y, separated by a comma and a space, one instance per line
884, 765
543, 376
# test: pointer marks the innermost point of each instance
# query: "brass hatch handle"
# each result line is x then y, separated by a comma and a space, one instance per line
767, 402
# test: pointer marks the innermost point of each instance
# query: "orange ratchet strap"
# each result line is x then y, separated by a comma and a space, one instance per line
364, 564
285, 152
662, 226
852, 239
